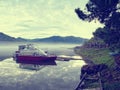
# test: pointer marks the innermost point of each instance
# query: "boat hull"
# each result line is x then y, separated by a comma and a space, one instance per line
37, 60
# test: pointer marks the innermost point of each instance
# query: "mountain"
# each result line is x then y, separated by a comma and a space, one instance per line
4, 37
21, 39
59, 39
53, 39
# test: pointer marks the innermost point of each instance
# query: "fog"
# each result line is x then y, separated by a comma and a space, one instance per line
8, 48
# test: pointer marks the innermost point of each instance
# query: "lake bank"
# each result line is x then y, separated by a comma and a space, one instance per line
111, 77
95, 55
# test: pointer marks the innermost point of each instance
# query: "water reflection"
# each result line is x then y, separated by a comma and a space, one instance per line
64, 76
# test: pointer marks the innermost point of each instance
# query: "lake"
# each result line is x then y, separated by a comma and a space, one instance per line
64, 76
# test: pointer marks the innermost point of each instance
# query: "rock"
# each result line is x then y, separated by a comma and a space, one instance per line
93, 69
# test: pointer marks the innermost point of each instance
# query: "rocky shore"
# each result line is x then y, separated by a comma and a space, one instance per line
93, 56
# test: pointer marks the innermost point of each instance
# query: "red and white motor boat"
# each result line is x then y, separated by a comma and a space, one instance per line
29, 55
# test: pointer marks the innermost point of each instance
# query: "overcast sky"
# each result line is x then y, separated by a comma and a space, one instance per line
43, 18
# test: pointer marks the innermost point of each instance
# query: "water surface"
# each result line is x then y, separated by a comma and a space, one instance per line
64, 76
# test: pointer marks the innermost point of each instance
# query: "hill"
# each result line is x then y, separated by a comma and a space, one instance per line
4, 37
53, 39
59, 39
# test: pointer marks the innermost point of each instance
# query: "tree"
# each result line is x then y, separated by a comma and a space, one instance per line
108, 13
99, 9
111, 37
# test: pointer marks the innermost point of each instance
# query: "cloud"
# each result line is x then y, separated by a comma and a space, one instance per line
43, 18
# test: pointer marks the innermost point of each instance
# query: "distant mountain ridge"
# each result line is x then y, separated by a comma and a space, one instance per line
57, 39
53, 39
5, 37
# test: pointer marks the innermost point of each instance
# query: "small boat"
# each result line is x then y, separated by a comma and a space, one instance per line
28, 54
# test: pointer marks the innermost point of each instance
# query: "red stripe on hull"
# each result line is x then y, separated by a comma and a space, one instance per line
39, 60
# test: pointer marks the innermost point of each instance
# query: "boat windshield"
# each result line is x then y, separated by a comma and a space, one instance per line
41, 52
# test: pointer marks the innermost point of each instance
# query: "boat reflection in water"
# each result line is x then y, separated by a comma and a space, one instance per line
30, 57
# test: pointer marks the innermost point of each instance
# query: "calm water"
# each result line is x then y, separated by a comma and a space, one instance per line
64, 76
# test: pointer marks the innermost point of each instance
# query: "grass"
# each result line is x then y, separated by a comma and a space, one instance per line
96, 55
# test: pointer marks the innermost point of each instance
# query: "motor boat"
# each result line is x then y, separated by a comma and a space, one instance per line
30, 57
29, 54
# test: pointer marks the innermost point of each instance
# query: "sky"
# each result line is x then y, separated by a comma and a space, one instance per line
44, 18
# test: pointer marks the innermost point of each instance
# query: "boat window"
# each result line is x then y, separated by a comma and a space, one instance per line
41, 52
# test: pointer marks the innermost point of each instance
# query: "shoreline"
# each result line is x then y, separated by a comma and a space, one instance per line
85, 59
95, 55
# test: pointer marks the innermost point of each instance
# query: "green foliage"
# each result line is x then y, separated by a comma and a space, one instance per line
111, 37
98, 9
96, 55
108, 13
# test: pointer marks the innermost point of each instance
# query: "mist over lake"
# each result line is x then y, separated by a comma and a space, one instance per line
8, 48
64, 76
